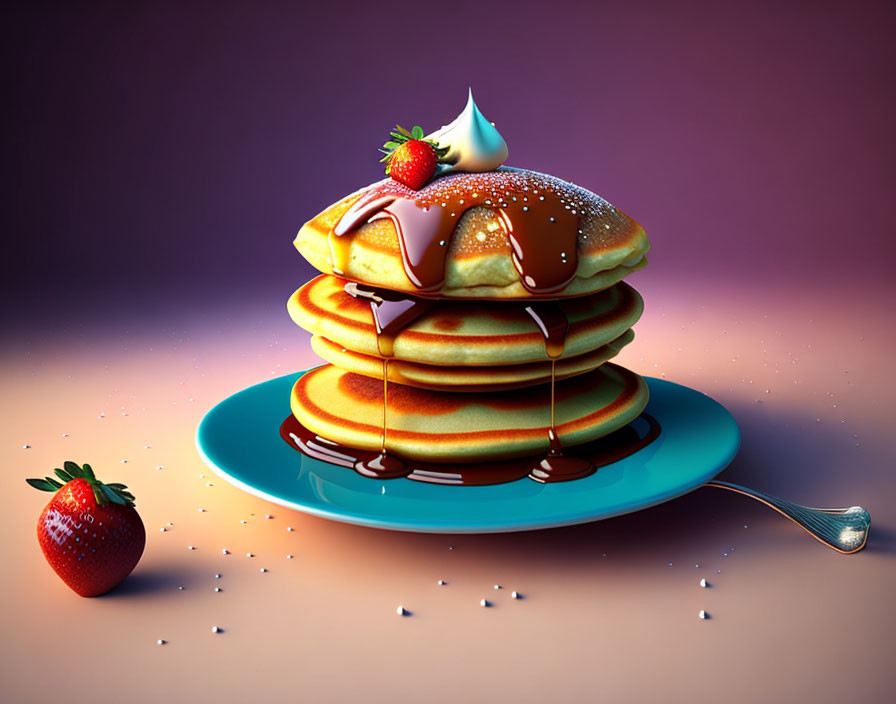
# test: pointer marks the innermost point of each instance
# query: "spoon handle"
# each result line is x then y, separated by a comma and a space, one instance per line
843, 529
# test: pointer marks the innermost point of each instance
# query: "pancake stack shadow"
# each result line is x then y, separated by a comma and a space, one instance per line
467, 329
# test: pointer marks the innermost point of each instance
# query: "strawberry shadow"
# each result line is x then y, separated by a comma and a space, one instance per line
151, 580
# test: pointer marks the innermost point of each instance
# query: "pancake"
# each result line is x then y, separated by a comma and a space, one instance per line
465, 427
508, 233
464, 333
467, 378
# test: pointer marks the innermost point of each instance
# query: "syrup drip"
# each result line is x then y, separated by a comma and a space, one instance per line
542, 229
385, 402
599, 453
340, 249
544, 241
391, 312
383, 465
423, 237
360, 212
554, 325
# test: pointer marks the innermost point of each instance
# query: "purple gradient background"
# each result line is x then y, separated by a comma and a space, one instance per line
160, 152
157, 164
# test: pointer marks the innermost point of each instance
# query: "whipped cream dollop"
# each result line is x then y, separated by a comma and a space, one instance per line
473, 142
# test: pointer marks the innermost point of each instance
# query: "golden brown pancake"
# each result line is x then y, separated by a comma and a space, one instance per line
482, 254
465, 427
467, 378
464, 333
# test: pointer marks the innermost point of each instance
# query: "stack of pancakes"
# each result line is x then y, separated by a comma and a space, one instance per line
469, 321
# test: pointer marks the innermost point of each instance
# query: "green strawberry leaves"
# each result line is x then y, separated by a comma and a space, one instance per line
103, 493
112, 495
63, 475
47, 484
400, 135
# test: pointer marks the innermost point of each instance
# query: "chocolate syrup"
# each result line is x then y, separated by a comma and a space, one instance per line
391, 312
598, 453
542, 226
554, 325
542, 219
383, 465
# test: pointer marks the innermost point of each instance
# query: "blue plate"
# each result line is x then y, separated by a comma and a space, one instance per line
239, 439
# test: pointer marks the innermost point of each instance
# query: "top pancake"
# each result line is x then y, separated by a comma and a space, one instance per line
508, 233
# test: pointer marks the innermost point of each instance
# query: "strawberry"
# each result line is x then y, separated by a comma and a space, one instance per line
410, 159
90, 532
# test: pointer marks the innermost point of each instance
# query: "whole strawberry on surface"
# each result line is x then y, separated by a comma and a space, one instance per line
90, 532
409, 158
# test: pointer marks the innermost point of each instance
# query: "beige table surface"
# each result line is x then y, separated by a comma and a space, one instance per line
605, 614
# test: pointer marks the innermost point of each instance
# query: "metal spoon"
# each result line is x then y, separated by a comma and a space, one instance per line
843, 529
